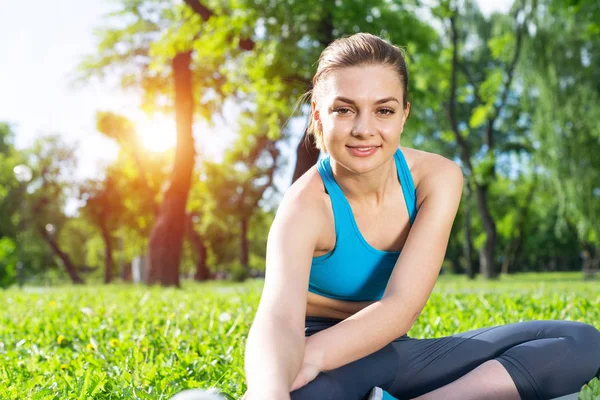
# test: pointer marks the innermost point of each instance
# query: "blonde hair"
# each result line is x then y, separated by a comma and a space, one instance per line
352, 51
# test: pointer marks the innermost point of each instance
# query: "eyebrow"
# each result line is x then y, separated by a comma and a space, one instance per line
380, 101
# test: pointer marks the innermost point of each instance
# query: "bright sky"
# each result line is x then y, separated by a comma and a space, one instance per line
41, 44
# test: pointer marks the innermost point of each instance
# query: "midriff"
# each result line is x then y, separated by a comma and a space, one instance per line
321, 306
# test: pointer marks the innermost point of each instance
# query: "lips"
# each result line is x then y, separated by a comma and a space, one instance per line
362, 151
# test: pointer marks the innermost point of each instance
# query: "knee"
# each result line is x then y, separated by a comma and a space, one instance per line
586, 335
587, 339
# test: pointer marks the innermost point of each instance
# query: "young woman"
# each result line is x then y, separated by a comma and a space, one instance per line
353, 255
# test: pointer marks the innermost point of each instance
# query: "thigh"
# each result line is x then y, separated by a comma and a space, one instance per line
434, 363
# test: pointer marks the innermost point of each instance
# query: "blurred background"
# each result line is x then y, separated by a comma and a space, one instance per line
151, 140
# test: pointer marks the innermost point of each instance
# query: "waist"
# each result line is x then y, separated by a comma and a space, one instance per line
313, 325
321, 306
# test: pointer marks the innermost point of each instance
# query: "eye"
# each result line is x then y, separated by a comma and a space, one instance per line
386, 111
341, 110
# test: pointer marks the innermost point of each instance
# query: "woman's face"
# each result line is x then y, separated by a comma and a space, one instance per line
360, 112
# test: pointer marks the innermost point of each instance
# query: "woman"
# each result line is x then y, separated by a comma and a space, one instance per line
365, 231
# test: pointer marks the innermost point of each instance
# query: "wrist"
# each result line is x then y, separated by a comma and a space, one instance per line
314, 354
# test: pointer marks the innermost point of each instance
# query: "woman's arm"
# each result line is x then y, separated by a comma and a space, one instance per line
274, 353
275, 346
410, 284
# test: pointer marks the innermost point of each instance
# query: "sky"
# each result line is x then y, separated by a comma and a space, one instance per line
43, 41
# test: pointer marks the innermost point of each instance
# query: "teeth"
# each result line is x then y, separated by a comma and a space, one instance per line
364, 148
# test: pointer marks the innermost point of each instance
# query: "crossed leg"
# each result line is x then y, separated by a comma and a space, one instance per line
544, 359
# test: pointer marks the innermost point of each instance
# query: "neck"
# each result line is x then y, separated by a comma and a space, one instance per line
368, 187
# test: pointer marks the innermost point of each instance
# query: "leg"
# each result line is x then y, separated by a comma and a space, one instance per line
545, 359
490, 378
353, 381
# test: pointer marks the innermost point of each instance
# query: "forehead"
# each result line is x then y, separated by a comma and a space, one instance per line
363, 83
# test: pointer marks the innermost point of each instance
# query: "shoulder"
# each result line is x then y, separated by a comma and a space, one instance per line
305, 200
433, 173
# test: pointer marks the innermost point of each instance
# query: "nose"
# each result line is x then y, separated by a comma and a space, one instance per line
364, 125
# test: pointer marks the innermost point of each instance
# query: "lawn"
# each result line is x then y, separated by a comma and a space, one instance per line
124, 342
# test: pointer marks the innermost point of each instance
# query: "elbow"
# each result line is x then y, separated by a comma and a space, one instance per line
404, 315
414, 318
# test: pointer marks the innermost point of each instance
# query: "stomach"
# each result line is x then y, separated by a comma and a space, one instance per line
321, 306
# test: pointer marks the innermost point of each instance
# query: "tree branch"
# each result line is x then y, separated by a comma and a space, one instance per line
489, 131
200, 9
471, 81
465, 151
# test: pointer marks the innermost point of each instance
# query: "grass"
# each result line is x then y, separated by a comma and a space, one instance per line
124, 342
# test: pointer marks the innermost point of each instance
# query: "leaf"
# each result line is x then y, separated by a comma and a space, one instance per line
447, 136
488, 90
479, 116
501, 45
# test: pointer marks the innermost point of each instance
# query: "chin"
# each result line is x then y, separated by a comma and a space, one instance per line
359, 165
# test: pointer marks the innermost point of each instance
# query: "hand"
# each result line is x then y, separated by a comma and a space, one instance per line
311, 364
307, 373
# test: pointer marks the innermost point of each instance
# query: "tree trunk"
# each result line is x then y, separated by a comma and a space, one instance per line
244, 243
509, 254
514, 246
468, 242
202, 273
108, 259
595, 265
69, 266
486, 260
166, 238
590, 259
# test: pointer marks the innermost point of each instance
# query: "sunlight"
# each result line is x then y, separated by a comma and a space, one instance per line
157, 132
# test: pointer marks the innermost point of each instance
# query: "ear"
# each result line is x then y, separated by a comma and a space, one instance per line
315, 112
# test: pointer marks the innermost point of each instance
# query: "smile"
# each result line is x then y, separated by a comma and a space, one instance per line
362, 151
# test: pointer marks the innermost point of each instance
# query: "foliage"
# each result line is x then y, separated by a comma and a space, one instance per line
565, 114
254, 59
8, 261
10, 195
122, 342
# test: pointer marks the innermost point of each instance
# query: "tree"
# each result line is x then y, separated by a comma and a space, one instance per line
565, 117
103, 207
160, 44
9, 206
475, 73
125, 200
50, 160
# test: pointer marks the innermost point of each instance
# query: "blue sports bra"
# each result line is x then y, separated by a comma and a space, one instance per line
354, 270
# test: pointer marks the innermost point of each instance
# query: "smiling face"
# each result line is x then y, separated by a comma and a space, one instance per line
360, 112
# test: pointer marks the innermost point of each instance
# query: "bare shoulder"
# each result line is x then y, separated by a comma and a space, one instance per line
432, 172
306, 196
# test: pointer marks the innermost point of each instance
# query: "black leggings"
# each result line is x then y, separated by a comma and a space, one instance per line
545, 359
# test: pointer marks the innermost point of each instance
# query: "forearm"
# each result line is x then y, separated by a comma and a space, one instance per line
273, 356
364, 333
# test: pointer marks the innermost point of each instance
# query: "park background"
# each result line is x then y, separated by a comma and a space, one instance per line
149, 142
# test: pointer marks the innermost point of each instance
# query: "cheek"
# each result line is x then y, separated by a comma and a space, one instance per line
334, 126
336, 129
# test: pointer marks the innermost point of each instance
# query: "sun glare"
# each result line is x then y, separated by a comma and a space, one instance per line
157, 133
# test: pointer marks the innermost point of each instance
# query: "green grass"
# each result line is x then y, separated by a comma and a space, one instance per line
124, 342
